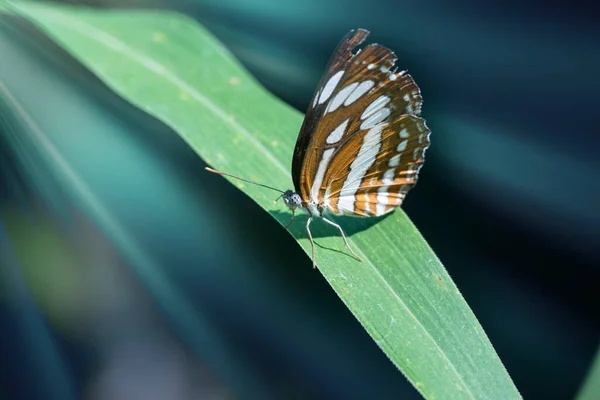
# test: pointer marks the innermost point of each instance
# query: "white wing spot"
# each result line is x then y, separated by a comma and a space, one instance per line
403, 133
402, 146
314, 103
327, 195
409, 107
376, 118
384, 69
394, 161
371, 66
346, 203
363, 88
377, 104
314, 190
330, 86
341, 97
393, 77
368, 203
383, 198
388, 176
382, 201
337, 133
359, 167
416, 154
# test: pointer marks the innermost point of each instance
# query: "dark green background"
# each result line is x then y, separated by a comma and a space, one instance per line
216, 293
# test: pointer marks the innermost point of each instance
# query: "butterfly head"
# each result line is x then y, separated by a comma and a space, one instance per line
292, 199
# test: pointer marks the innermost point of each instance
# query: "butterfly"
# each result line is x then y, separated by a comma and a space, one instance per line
362, 143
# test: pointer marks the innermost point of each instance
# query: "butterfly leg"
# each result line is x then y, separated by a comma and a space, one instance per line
291, 220
343, 236
312, 244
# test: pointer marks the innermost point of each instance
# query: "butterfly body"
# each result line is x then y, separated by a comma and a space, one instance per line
362, 142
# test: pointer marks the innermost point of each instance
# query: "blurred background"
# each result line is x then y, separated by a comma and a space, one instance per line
128, 273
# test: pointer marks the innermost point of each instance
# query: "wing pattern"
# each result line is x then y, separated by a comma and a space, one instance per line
362, 143
340, 58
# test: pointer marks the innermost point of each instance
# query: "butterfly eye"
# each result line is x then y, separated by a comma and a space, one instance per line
292, 200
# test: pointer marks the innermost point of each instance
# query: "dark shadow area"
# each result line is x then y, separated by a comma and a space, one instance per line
318, 228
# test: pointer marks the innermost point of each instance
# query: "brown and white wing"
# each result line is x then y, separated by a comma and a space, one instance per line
375, 169
330, 81
368, 144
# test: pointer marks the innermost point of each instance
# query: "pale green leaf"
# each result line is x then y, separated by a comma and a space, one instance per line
171, 67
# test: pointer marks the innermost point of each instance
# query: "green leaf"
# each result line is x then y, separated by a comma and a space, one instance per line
591, 385
171, 67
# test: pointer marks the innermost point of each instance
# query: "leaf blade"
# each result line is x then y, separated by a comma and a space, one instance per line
401, 294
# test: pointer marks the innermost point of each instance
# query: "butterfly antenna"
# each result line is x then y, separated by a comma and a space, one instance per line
214, 171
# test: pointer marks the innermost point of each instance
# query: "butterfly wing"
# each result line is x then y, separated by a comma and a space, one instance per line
366, 142
339, 60
372, 175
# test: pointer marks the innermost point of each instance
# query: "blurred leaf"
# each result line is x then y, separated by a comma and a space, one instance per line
169, 66
591, 386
